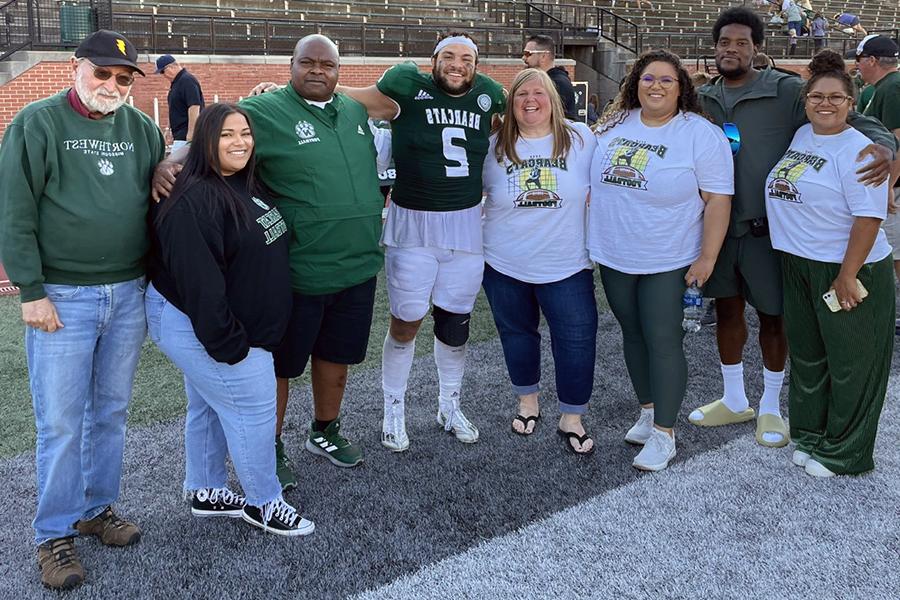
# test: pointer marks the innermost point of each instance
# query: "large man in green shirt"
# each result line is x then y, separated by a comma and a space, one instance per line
315, 151
760, 111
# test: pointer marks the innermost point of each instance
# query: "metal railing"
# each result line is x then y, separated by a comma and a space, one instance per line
695, 45
46, 24
234, 35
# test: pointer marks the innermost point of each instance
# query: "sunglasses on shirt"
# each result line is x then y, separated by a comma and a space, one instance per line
734, 137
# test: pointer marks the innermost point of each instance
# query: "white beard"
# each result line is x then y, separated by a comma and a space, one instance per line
95, 101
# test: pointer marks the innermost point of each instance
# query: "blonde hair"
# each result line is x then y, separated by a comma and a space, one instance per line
508, 133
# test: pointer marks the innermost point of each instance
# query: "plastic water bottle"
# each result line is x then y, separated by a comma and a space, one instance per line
692, 301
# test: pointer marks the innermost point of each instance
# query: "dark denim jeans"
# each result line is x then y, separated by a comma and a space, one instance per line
570, 308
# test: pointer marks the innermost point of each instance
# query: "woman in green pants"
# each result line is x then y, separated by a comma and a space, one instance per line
661, 185
827, 225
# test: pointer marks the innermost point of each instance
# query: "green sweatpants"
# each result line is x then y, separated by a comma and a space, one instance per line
840, 362
649, 310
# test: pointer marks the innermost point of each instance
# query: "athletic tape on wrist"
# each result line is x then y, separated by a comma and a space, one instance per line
457, 39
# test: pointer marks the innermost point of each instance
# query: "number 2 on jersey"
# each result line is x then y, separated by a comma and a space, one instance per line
455, 153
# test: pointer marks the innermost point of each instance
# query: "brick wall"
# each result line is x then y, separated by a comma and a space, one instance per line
229, 80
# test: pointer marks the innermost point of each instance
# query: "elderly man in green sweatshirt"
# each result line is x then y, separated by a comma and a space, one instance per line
316, 152
73, 203
760, 111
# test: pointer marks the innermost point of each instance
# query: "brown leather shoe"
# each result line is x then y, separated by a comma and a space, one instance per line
59, 564
111, 530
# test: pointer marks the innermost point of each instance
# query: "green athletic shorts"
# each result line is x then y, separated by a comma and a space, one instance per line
748, 267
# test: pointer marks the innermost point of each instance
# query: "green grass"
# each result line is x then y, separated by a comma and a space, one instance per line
158, 387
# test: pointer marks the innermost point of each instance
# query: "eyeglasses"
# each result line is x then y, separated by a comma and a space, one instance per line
734, 137
665, 81
122, 79
833, 99
527, 53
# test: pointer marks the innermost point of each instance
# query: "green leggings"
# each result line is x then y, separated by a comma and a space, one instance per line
840, 362
649, 310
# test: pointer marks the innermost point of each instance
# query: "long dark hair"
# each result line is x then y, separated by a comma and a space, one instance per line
202, 172
628, 94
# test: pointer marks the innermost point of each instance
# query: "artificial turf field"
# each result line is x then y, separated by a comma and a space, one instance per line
508, 517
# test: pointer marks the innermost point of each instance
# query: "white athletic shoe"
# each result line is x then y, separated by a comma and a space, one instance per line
451, 418
658, 450
799, 458
640, 431
393, 427
817, 469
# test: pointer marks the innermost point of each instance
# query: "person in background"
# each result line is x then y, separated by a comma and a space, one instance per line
218, 304
185, 99
540, 53
876, 59
793, 15
819, 28
661, 184
849, 23
827, 226
536, 183
763, 61
593, 109
73, 233
700, 78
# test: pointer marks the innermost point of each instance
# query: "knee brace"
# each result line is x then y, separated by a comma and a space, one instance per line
451, 328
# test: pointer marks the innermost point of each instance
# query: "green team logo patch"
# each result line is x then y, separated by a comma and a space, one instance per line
306, 132
789, 170
484, 102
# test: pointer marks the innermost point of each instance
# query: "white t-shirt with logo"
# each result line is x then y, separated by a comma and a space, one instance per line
534, 211
813, 196
646, 213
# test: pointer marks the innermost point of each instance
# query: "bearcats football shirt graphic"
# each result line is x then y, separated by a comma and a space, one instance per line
784, 177
626, 162
533, 182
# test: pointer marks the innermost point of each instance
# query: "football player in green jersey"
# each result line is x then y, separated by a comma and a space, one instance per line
441, 123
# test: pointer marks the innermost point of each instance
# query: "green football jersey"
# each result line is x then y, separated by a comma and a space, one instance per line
439, 141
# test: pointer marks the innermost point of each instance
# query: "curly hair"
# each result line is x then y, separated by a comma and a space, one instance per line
740, 15
828, 63
627, 99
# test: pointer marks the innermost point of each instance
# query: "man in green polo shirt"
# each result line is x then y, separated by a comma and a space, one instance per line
315, 151
876, 58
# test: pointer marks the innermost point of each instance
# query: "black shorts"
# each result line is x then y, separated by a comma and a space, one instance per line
333, 327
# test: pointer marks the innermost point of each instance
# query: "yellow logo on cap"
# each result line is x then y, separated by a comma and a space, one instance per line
120, 44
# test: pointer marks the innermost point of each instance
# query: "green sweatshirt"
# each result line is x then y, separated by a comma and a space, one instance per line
74, 194
767, 112
320, 164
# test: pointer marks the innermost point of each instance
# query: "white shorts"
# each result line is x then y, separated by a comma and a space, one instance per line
418, 276
891, 226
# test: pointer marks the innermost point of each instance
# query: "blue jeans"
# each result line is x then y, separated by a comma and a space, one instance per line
231, 408
570, 308
81, 378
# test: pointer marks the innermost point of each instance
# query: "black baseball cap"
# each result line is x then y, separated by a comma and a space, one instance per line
107, 48
877, 46
164, 61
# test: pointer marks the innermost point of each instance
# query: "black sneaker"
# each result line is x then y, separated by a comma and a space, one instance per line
217, 502
278, 517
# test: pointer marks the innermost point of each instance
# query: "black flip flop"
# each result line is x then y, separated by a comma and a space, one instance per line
525, 421
581, 439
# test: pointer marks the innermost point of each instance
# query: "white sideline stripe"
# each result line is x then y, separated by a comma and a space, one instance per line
617, 556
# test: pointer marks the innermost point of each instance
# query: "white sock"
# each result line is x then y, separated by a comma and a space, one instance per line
450, 361
770, 403
396, 361
735, 398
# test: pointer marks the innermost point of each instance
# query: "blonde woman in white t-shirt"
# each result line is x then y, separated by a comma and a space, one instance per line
827, 225
536, 182
661, 186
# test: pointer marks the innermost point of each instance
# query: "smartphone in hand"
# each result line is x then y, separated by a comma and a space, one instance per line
830, 297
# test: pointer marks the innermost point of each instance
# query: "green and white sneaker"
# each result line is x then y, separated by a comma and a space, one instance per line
333, 446
286, 476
